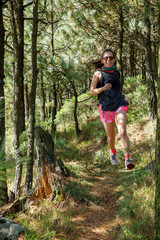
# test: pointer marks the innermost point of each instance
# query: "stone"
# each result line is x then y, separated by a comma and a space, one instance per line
9, 230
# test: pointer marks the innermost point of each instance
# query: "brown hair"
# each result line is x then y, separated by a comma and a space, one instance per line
107, 50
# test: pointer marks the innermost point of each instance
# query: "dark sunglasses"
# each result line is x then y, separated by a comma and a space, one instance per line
106, 58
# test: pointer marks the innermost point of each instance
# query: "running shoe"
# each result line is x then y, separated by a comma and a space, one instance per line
129, 165
113, 159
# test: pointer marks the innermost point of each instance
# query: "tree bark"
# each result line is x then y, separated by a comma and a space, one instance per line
45, 163
75, 115
54, 95
2, 102
49, 170
32, 97
54, 108
121, 38
17, 23
157, 168
150, 76
3, 179
42, 97
26, 101
132, 60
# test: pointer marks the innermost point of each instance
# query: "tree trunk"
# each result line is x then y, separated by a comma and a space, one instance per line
26, 101
3, 179
150, 77
75, 115
50, 107
143, 66
2, 102
45, 162
132, 60
54, 108
29, 171
157, 168
42, 97
54, 95
48, 169
17, 23
121, 37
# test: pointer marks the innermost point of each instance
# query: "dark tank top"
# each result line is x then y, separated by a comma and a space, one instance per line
111, 99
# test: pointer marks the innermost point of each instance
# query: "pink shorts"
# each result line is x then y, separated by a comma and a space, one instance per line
108, 116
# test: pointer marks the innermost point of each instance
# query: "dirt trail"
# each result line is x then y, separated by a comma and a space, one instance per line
97, 222
101, 222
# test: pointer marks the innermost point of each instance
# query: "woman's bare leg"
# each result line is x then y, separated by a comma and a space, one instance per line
110, 131
121, 119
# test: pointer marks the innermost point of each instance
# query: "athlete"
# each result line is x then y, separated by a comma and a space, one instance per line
112, 105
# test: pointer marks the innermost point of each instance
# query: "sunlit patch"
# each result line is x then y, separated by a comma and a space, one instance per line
78, 219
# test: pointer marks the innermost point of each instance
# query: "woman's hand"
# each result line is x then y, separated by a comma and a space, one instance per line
95, 80
107, 86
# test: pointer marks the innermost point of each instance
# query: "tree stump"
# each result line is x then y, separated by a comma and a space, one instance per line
49, 170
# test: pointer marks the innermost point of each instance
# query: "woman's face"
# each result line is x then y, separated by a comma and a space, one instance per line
108, 59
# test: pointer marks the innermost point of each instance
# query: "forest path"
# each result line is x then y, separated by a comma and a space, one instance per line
98, 222
101, 221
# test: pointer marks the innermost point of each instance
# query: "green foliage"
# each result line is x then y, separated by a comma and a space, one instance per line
45, 222
136, 93
66, 113
24, 142
60, 143
65, 118
79, 38
44, 124
136, 205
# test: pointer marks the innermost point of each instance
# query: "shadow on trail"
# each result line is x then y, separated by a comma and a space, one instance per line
107, 204
96, 219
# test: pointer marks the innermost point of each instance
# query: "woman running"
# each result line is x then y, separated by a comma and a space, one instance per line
112, 105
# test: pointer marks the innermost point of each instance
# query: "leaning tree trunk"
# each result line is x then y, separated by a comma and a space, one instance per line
3, 180
29, 171
157, 169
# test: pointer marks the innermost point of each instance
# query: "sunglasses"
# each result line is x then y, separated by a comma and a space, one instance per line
106, 58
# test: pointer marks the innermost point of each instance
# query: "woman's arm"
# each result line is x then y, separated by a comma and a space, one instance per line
93, 88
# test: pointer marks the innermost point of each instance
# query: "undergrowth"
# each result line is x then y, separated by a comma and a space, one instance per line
136, 205
87, 158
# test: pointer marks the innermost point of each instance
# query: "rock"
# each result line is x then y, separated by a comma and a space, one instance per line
9, 230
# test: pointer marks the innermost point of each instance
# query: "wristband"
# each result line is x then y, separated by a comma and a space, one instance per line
102, 88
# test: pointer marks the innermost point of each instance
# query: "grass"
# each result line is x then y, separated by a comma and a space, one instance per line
87, 158
136, 204
135, 189
45, 221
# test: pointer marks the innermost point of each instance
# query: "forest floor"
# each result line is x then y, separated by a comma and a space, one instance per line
98, 222
102, 221
97, 191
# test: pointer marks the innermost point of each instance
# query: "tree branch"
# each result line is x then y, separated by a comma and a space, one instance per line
84, 100
28, 4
